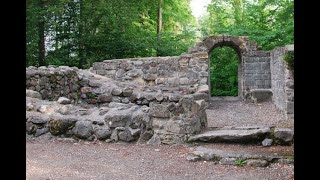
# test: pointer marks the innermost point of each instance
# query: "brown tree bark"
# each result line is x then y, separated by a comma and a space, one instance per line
81, 48
159, 27
41, 31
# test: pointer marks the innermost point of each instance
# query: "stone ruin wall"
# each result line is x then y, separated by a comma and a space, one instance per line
257, 74
282, 81
161, 98
181, 74
52, 82
155, 100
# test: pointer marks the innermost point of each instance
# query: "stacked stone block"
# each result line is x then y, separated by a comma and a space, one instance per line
282, 81
257, 73
52, 82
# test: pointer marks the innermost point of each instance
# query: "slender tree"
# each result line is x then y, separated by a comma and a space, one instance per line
41, 34
159, 26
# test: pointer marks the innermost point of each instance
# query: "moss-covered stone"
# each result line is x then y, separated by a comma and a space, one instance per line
60, 126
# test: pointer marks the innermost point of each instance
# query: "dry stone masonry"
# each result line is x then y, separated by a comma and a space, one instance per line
183, 74
282, 81
52, 82
148, 100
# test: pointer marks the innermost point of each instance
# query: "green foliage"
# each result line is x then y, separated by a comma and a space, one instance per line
270, 23
91, 95
289, 58
80, 32
224, 72
240, 162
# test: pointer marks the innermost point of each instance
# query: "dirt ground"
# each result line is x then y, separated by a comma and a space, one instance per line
53, 159
240, 113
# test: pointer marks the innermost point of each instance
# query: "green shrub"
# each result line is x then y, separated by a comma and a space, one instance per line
224, 64
240, 162
289, 58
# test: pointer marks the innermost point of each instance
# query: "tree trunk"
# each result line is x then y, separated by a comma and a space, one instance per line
238, 11
41, 30
80, 39
159, 28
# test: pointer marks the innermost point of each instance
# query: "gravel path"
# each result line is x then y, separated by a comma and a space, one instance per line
240, 113
52, 159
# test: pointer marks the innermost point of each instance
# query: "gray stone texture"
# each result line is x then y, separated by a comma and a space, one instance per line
118, 118
61, 125
256, 71
233, 157
173, 122
53, 83
63, 100
232, 135
41, 131
33, 94
125, 135
144, 137
284, 134
257, 162
160, 72
83, 129
102, 133
282, 82
261, 95
267, 142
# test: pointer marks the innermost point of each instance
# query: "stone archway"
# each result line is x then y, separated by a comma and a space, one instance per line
241, 44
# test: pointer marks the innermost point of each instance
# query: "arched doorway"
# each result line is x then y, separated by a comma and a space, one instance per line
240, 44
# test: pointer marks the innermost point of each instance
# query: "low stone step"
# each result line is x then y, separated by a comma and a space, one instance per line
262, 135
242, 156
234, 135
261, 95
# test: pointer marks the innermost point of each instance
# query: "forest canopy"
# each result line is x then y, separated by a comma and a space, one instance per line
80, 32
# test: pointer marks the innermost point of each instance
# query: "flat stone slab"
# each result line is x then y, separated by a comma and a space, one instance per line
261, 95
241, 135
237, 157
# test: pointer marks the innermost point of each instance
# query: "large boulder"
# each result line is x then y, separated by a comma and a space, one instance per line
118, 118
38, 119
41, 131
31, 128
102, 133
83, 129
105, 98
284, 134
140, 119
159, 110
144, 137
155, 139
64, 110
60, 125
33, 94
127, 92
116, 91
126, 135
